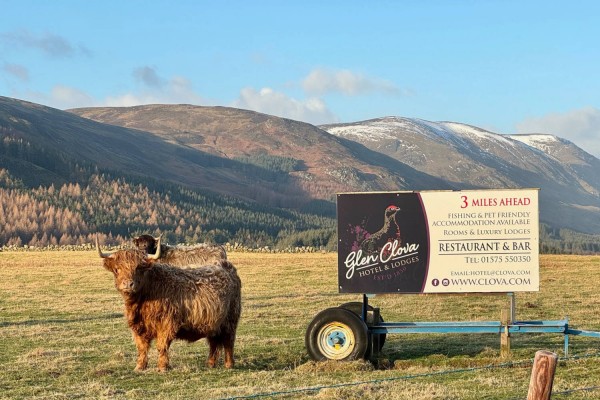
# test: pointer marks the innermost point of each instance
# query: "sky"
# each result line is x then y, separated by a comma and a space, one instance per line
505, 66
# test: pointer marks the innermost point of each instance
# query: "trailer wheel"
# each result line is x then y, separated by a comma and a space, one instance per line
356, 308
336, 334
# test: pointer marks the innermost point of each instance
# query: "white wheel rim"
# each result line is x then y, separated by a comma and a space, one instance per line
336, 341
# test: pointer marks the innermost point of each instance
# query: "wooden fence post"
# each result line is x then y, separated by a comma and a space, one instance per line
542, 375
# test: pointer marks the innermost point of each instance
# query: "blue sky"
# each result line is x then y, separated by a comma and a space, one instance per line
506, 66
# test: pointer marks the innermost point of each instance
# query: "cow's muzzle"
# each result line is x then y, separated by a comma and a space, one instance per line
127, 286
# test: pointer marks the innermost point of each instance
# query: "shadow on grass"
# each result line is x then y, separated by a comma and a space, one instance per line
413, 347
287, 296
31, 322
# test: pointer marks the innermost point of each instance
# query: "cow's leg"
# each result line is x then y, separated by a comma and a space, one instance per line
142, 345
162, 344
228, 343
214, 343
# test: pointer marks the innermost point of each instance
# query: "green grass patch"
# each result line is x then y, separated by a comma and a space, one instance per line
63, 335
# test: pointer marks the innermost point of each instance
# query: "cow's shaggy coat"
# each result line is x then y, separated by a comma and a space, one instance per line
181, 256
164, 302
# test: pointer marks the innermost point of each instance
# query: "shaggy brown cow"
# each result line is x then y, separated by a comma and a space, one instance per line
181, 256
164, 302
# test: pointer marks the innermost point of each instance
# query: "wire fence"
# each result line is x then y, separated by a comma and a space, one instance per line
510, 364
571, 391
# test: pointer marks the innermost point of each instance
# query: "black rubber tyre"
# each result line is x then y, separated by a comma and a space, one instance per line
336, 334
356, 308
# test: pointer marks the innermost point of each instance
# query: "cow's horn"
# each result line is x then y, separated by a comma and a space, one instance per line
156, 255
102, 255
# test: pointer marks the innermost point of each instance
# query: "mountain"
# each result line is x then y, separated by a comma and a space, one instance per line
585, 165
325, 164
268, 163
471, 157
135, 152
234, 152
63, 178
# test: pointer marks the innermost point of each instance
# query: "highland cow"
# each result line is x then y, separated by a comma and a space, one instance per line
181, 256
165, 303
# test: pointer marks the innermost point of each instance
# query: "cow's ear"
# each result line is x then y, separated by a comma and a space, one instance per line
108, 264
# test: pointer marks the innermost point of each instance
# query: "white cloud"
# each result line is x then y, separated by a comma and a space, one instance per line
68, 97
182, 88
177, 90
61, 97
322, 81
268, 101
148, 76
581, 127
127, 100
48, 43
16, 70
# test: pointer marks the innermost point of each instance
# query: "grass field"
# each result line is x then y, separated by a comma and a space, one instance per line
63, 335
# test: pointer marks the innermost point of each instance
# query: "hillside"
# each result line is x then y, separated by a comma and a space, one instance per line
584, 165
120, 207
472, 157
276, 178
62, 178
325, 164
383, 154
51, 135
258, 157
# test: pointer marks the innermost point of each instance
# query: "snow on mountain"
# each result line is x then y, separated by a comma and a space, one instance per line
538, 141
475, 133
388, 128
415, 141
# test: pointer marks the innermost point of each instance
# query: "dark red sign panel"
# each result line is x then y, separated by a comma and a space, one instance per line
383, 243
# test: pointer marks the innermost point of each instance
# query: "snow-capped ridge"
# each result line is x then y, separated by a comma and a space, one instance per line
388, 128
537, 140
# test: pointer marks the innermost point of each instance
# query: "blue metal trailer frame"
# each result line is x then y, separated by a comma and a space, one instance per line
497, 327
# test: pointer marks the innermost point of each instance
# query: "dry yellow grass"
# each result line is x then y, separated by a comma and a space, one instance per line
62, 335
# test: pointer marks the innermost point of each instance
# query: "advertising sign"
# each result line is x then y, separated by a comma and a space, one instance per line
468, 241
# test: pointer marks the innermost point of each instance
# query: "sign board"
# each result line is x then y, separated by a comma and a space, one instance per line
468, 241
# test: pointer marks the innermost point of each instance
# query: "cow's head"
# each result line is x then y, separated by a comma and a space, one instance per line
129, 268
148, 244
